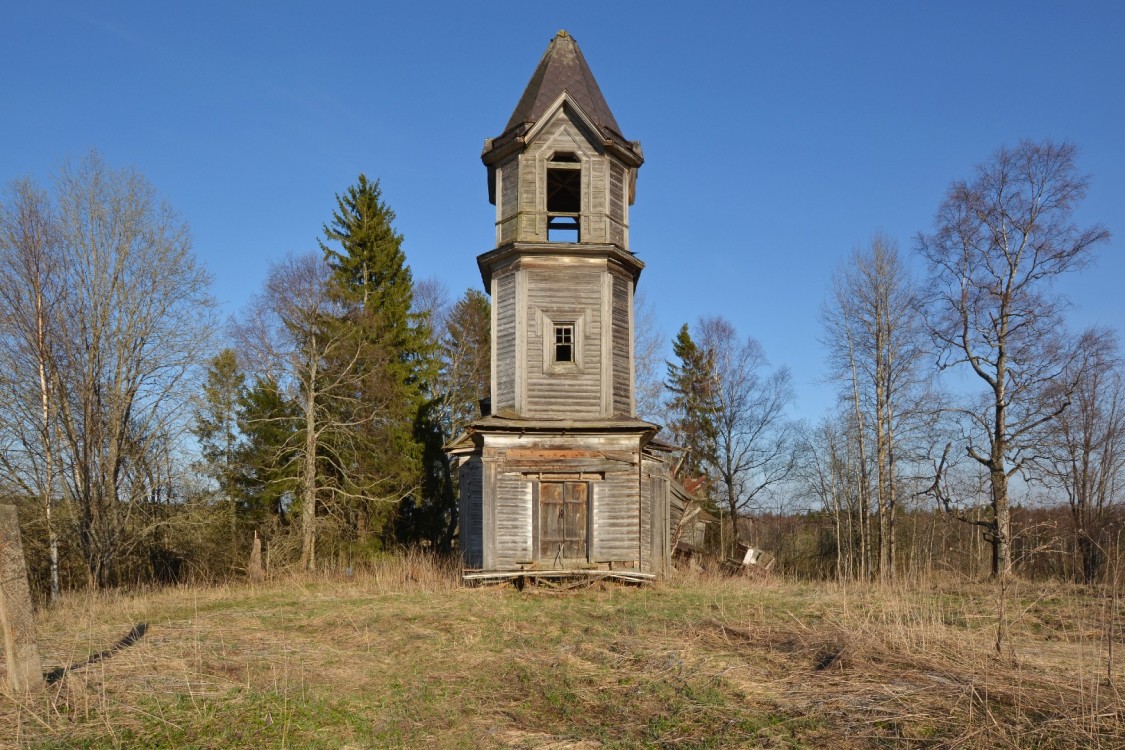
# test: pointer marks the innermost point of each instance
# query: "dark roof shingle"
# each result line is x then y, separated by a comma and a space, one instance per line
563, 68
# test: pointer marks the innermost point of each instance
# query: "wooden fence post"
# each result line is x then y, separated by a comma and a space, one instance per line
21, 654
255, 567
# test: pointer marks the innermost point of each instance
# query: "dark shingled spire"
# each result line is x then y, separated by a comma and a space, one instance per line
563, 68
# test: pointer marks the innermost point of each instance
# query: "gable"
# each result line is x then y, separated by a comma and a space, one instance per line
565, 127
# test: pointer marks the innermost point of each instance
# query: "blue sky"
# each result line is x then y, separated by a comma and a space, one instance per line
777, 136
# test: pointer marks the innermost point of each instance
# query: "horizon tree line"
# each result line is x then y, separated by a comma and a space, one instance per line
146, 444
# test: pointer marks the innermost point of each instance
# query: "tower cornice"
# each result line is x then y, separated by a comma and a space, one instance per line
509, 253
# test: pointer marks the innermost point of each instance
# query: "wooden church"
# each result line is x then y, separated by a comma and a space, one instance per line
559, 477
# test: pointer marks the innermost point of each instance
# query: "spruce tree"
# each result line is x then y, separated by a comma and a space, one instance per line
464, 358
693, 422
375, 288
216, 426
267, 481
369, 268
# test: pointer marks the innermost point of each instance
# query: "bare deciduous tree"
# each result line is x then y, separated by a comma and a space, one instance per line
830, 470
998, 243
130, 332
755, 440
648, 362
464, 358
1085, 451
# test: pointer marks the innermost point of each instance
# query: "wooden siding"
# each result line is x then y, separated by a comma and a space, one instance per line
513, 520
509, 201
532, 223
646, 514
573, 295
622, 354
616, 516
657, 550
594, 200
617, 176
471, 480
656, 534
504, 355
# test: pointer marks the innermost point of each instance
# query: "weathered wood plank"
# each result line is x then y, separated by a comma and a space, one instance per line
622, 367
569, 295
471, 480
504, 359
513, 519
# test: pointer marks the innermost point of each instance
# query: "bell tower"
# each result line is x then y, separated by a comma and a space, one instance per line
562, 277
551, 479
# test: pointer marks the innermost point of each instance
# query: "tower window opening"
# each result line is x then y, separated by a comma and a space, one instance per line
564, 199
564, 342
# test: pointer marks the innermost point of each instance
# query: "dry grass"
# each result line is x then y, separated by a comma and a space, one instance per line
403, 656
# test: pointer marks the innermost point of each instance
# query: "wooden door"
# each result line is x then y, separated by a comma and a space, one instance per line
562, 520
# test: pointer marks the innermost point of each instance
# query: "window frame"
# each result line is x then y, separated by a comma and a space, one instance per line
549, 320
564, 337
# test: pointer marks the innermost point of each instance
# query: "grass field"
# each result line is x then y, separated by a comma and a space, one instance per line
404, 657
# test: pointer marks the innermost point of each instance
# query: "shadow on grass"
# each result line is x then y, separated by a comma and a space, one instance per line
126, 641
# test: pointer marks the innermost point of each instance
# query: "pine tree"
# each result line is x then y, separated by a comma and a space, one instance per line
691, 405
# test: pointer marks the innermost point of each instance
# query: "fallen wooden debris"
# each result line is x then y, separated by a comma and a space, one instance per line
749, 561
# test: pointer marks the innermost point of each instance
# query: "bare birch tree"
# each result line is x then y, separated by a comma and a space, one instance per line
874, 336
999, 242
30, 292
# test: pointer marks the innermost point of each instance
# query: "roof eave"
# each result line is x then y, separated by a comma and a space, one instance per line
489, 261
